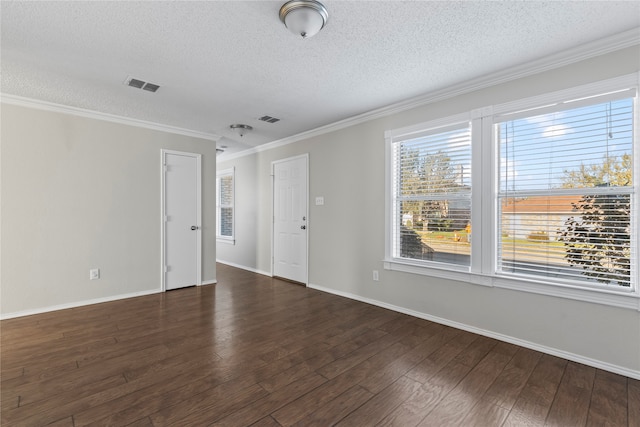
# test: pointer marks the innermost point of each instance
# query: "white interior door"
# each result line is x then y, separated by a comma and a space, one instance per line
182, 239
290, 219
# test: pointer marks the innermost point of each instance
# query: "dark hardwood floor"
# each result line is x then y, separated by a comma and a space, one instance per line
256, 351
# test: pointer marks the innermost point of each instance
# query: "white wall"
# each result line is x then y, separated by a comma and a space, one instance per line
346, 234
80, 193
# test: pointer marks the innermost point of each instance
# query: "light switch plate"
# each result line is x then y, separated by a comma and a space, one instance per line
319, 201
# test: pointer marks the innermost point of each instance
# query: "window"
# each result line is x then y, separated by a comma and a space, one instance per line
432, 195
225, 200
539, 195
565, 190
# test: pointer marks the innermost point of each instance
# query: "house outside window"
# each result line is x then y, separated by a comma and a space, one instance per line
547, 187
225, 205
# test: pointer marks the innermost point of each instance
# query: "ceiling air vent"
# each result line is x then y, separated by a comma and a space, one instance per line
269, 119
139, 84
150, 87
135, 83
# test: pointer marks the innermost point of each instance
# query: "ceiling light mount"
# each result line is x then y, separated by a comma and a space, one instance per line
241, 129
304, 18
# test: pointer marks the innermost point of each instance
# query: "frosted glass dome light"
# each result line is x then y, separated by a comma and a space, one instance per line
304, 18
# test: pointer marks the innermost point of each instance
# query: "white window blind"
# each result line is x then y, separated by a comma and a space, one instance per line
432, 195
225, 204
566, 192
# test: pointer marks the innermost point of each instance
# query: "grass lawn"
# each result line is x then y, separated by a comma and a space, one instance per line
458, 242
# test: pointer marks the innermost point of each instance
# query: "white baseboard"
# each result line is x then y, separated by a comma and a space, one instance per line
76, 304
244, 267
91, 301
506, 338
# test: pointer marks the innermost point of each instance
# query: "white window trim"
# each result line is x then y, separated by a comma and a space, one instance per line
397, 135
231, 240
484, 209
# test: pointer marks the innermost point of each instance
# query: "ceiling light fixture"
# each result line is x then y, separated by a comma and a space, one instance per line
304, 18
241, 129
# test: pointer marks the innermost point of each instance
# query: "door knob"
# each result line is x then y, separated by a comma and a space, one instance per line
303, 227
193, 227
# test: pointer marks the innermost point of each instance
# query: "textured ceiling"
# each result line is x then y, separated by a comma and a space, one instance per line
224, 62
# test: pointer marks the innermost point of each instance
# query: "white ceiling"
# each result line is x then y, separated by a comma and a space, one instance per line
224, 62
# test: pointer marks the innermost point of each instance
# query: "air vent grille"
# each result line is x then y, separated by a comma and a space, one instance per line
136, 83
151, 87
140, 84
269, 119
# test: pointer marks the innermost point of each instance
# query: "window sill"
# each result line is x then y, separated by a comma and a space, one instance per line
623, 299
227, 240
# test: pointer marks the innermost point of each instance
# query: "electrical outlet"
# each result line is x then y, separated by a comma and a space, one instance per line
94, 274
376, 276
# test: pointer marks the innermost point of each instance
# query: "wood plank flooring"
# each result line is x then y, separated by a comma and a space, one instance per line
257, 351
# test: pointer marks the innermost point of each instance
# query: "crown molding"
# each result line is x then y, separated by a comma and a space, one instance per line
580, 53
81, 112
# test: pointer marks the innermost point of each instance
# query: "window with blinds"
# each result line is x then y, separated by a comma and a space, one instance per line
225, 204
432, 195
551, 206
566, 191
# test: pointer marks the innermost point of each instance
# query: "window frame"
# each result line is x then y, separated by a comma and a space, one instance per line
513, 194
220, 174
398, 137
484, 199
